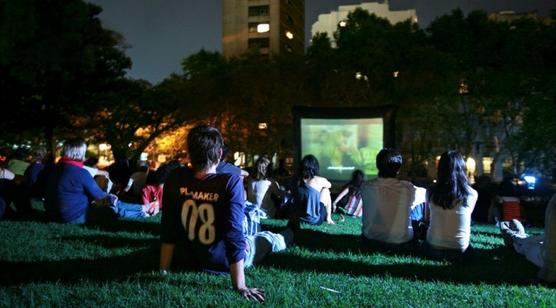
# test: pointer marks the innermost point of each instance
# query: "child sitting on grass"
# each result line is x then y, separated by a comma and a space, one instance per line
352, 189
204, 209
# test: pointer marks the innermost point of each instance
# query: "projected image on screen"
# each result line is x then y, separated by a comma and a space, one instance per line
343, 145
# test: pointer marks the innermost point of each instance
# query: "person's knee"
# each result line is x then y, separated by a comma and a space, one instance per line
325, 196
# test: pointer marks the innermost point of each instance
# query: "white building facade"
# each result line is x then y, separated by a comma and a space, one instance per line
328, 23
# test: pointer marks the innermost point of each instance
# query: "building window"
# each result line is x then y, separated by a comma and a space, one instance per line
289, 19
258, 27
258, 43
288, 48
259, 10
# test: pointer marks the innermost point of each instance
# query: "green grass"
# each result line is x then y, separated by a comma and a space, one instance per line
115, 264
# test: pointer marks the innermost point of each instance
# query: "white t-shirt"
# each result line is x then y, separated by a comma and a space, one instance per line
451, 228
6, 174
260, 192
386, 207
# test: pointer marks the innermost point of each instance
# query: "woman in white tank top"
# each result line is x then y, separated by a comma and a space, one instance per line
450, 203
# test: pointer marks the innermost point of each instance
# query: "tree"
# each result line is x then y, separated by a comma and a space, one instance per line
55, 57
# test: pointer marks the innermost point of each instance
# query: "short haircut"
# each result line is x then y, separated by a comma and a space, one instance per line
309, 167
204, 144
261, 168
75, 149
388, 162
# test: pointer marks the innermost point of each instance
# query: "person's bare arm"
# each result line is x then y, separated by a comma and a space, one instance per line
238, 282
340, 196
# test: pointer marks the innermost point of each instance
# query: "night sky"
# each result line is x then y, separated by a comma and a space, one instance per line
160, 33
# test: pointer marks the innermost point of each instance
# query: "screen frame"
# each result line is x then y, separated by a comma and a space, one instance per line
387, 113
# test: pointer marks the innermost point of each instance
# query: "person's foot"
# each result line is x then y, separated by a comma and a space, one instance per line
330, 222
507, 233
517, 226
294, 224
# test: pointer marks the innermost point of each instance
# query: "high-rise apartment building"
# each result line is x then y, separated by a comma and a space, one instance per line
266, 26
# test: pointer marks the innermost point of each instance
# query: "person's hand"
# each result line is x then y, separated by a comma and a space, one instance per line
113, 199
252, 294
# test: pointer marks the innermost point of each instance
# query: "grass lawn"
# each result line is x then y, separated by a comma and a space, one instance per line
115, 264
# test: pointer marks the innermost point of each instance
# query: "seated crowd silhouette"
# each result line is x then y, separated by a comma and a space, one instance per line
213, 207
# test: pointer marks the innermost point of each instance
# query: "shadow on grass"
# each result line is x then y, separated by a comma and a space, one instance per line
121, 225
97, 269
496, 266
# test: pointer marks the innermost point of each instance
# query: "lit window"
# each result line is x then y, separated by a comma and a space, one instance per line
258, 27
263, 126
262, 28
396, 74
289, 35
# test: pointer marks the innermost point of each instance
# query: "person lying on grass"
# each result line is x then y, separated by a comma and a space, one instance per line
388, 204
540, 249
205, 209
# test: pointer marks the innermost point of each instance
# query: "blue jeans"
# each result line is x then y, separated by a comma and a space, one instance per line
129, 210
265, 242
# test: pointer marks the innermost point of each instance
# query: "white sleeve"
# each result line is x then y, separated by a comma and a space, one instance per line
6, 174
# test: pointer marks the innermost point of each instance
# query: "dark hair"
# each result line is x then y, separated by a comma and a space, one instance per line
225, 151
204, 144
261, 168
357, 178
309, 167
388, 162
91, 161
452, 183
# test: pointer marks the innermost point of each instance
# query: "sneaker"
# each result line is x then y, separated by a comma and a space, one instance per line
517, 226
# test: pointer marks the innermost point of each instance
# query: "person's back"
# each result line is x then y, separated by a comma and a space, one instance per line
205, 210
219, 240
386, 209
450, 204
311, 194
70, 188
307, 204
260, 188
548, 250
387, 202
451, 228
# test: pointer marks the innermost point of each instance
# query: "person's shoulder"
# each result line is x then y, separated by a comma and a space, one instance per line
226, 167
322, 180
472, 192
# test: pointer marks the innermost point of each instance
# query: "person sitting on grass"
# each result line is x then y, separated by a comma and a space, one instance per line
387, 205
71, 189
261, 189
450, 202
540, 249
204, 210
352, 190
151, 194
312, 203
